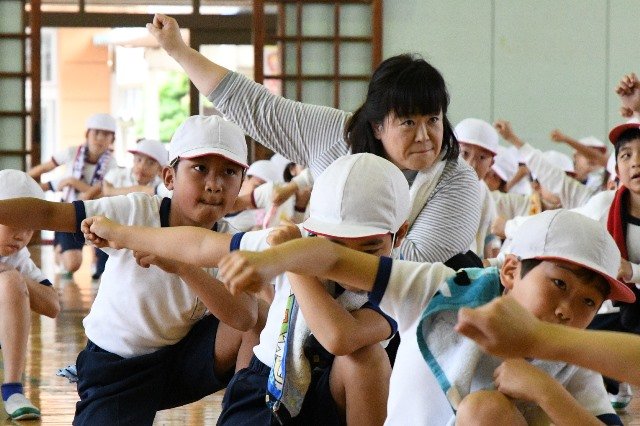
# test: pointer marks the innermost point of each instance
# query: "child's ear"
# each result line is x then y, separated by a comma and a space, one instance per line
510, 271
401, 233
168, 177
377, 129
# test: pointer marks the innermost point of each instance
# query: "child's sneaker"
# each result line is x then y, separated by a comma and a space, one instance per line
18, 407
621, 400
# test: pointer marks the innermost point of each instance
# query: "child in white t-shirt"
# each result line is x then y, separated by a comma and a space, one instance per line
333, 358
161, 333
561, 268
149, 157
86, 166
23, 289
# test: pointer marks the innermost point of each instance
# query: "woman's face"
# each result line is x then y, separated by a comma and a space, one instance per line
413, 142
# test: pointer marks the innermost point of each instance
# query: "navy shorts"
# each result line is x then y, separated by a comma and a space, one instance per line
244, 402
68, 241
116, 390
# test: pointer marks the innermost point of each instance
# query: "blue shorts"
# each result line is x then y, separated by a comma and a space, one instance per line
116, 390
244, 402
68, 241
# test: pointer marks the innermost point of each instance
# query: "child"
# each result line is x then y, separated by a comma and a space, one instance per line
504, 328
478, 146
346, 331
23, 288
589, 158
149, 157
87, 165
161, 333
561, 267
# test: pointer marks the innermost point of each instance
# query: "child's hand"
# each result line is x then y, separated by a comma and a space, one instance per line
518, 379
167, 32
246, 271
501, 327
145, 260
504, 128
629, 91
284, 232
100, 231
282, 193
558, 136
625, 272
498, 226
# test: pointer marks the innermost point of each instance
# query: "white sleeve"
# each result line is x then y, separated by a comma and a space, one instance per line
304, 180
403, 289
635, 276
65, 155
262, 195
23, 264
571, 192
131, 209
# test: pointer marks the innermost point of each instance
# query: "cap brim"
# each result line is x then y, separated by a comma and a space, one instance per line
134, 151
478, 144
209, 151
619, 291
615, 133
342, 230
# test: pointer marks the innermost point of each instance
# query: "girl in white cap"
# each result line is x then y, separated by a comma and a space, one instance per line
403, 119
23, 289
87, 164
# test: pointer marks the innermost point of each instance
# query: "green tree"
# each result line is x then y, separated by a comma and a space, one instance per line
174, 104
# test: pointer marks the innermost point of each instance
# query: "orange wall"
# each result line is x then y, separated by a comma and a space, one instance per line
84, 81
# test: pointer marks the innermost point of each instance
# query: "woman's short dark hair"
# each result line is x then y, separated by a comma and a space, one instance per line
405, 85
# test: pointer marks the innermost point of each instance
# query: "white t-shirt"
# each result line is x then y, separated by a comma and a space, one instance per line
403, 290
66, 156
262, 196
138, 310
21, 261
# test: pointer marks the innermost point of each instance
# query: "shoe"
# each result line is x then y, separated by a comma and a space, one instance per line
621, 400
18, 407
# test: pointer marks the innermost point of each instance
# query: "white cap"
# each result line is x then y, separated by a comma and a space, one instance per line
280, 163
263, 169
593, 142
17, 184
505, 164
359, 195
611, 167
560, 160
102, 122
565, 235
152, 148
202, 135
477, 132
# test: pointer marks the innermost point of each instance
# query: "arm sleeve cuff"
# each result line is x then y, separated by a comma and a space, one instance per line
235, 241
217, 92
392, 323
610, 419
81, 214
382, 279
635, 275
46, 282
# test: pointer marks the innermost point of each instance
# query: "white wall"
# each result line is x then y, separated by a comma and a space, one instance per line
542, 64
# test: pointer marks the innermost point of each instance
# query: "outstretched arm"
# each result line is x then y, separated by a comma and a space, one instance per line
33, 213
506, 329
189, 244
592, 154
204, 73
246, 271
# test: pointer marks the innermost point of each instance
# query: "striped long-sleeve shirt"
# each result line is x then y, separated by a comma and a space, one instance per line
314, 136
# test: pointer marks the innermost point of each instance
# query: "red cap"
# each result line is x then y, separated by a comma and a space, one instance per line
615, 133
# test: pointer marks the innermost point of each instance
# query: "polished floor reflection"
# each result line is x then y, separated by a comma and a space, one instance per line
54, 343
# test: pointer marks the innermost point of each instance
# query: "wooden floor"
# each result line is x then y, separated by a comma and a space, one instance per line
55, 343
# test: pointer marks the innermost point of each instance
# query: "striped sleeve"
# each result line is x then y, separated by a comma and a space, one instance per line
448, 223
306, 134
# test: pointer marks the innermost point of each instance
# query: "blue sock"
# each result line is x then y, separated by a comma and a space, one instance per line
9, 389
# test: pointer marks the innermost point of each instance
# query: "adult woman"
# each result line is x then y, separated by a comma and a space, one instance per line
403, 120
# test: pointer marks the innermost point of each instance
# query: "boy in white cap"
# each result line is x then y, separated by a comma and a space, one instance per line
160, 333
23, 288
87, 164
318, 365
561, 268
478, 146
149, 157
589, 158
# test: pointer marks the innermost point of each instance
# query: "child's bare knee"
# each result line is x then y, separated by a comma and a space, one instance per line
13, 286
486, 408
72, 260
